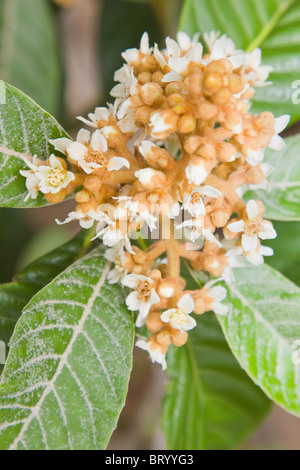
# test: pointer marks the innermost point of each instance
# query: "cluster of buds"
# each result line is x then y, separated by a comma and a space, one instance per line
170, 159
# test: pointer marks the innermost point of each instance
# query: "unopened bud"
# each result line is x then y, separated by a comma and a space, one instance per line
154, 323
212, 83
151, 93
144, 77
219, 218
157, 77
235, 83
92, 183
222, 97
163, 337
179, 338
83, 196
186, 123
150, 178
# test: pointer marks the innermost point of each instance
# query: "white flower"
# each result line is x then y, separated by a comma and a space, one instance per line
32, 181
217, 294
257, 257
116, 256
113, 235
132, 55
254, 72
155, 353
49, 178
143, 296
253, 228
127, 123
140, 213
185, 42
127, 85
234, 260
224, 48
193, 202
254, 157
86, 221
179, 318
100, 114
174, 211
88, 152
195, 230
277, 142
210, 38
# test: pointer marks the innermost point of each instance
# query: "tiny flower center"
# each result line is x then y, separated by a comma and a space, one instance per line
180, 317
252, 227
96, 157
144, 291
195, 198
56, 177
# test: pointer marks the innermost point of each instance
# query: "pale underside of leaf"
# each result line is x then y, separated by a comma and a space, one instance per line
66, 377
262, 327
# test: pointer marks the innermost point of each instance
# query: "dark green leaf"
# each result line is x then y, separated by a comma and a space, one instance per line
29, 50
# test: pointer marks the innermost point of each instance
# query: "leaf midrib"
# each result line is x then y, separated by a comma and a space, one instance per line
35, 410
268, 28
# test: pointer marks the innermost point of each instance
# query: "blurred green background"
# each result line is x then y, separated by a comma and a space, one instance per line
64, 57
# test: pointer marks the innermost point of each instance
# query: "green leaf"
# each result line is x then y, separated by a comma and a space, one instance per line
15, 295
66, 377
262, 329
211, 403
272, 25
286, 248
282, 202
25, 129
29, 50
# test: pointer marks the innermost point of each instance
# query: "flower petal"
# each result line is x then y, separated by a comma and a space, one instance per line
186, 303
252, 209
249, 244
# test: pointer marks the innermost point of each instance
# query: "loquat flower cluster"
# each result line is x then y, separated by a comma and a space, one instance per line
171, 158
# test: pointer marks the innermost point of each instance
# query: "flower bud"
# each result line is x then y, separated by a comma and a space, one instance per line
144, 77
92, 183
151, 93
83, 196
222, 97
163, 337
186, 124
179, 338
219, 218
212, 83
154, 323
150, 178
